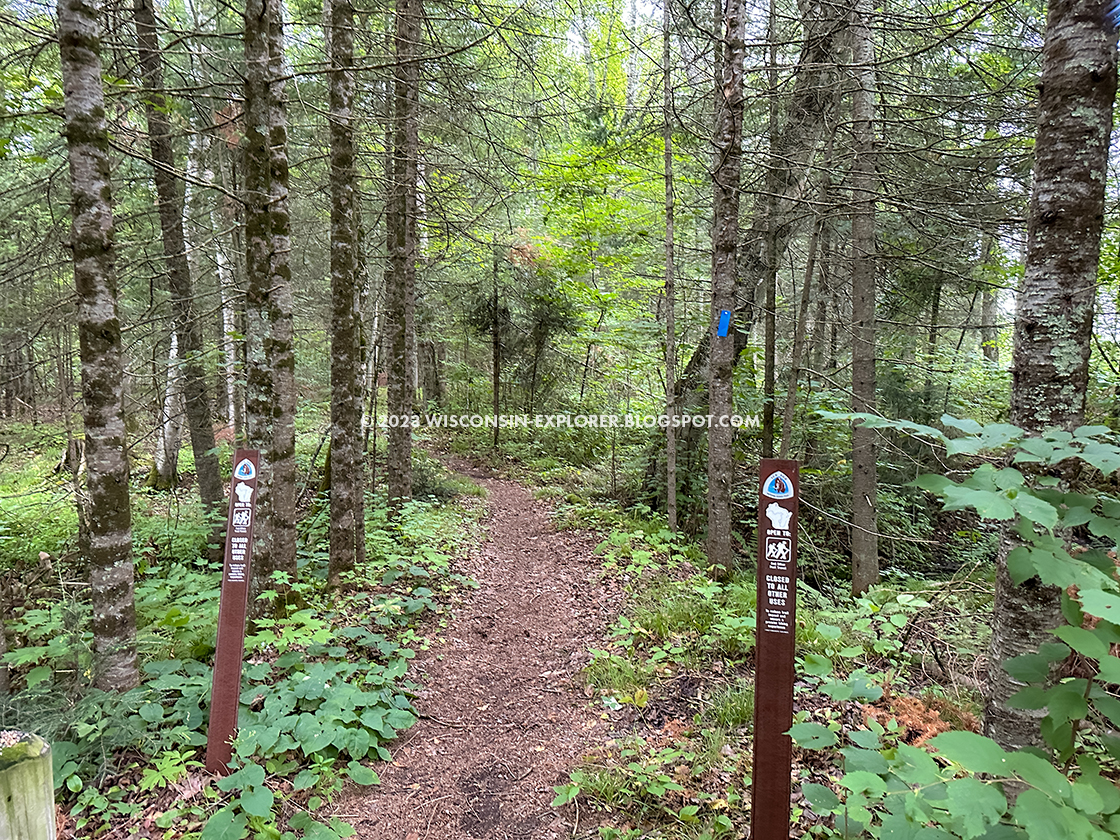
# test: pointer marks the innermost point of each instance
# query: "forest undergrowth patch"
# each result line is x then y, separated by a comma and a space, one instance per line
676, 680
325, 686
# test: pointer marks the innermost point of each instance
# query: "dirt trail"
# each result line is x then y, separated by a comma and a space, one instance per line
502, 716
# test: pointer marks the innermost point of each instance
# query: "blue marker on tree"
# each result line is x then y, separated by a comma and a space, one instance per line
724, 323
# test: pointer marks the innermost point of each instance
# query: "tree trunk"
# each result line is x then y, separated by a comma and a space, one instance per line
196, 395
725, 244
270, 410
800, 327
400, 286
107, 545
169, 435
26, 788
496, 345
670, 275
280, 350
1054, 318
865, 540
344, 456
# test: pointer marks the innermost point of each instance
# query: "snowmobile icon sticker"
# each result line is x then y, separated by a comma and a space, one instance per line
778, 486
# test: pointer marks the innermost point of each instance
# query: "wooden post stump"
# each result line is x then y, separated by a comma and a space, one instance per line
26, 787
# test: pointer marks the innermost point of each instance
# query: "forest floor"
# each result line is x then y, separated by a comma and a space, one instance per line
503, 716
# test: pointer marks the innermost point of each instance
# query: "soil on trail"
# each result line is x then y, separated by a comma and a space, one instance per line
503, 719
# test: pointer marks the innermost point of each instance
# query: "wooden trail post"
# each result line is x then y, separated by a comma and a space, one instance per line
26, 787
225, 695
778, 497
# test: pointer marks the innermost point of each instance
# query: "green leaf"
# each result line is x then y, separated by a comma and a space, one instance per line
1067, 702
38, 674
1040, 773
964, 424
864, 738
1109, 707
361, 774
870, 761
1028, 668
1083, 641
915, 766
151, 712
1036, 510
822, 799
1031, 697
1104, 456
1043, 817
257, 802
814, 663
812, 736
972, 751
973, 806
305, 779
251, 775
1101, 604
225, 825
863, 782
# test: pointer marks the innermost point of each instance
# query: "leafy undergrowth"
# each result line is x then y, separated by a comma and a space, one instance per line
677, 682
324, 687
885, 713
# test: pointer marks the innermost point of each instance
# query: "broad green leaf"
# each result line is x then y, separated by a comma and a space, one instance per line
151, 712
225, 825
865, 738
1067, 701
933, 483
973, 806
964, 424
989, 504
251, 775
1028, 668
1109, 707
1104, 456
812, 736
1040, 773
1110, 669
869, 761
820, 797
1031, 697
863, 782
1083, 641
1086, 799
1101, 604
1036, 510
972, 751
914, 766
362, 774
38, 674
814, 663
257, 802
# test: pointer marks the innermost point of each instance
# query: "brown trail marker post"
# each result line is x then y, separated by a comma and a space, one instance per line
778, 497
225, 694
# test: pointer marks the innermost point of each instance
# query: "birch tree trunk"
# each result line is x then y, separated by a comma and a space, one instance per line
107, 541
196, 395
346, 489
1054, 318
401, 281
725, 243
169, 435
865, 539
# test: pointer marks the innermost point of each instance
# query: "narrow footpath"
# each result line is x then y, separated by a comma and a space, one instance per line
503, 718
